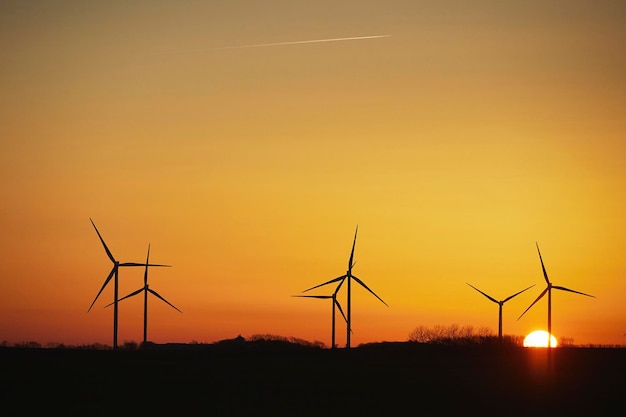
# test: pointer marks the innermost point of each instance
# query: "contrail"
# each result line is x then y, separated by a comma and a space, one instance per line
259, 45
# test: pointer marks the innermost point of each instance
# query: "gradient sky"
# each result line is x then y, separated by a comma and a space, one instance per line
473, 131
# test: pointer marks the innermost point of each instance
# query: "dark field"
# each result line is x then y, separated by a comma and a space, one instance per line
387, 379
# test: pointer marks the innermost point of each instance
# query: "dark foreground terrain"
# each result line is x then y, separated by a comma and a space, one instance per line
387, 379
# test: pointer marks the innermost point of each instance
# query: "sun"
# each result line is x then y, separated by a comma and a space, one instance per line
539, 338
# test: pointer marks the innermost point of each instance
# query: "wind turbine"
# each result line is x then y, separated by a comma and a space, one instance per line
500, 304
146, 289
335, 305
349, 277
548, 289
114, 274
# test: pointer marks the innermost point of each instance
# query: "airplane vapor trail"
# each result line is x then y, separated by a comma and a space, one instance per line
259, 45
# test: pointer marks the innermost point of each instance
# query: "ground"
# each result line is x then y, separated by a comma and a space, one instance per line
393, 379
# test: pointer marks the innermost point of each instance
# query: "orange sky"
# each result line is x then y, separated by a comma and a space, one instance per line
455, 144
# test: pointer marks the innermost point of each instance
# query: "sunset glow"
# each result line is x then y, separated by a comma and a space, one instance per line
454, 134
539, 338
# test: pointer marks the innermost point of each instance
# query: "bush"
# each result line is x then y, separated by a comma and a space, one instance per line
460, 335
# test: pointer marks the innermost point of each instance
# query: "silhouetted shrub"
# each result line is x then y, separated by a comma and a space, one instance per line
285, 340
30, 345
460, 335
95, 346
129, 345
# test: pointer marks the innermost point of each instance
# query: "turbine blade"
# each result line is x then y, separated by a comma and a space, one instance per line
533, 303
350, 262
145, 274
367, 288
163, 299
313, 296
106, 281
517, 293
339, 286
577, 292
326, 283
110, 255
126, 296
489, 297
340, 310
140, 264
545, 274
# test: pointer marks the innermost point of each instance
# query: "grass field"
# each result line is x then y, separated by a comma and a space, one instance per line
386, 379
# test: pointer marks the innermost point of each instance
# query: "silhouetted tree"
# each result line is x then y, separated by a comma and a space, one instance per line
130, 345
283, 339
453, 333
439, 332
30, 345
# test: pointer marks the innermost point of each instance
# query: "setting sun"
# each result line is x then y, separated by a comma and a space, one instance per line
539, 338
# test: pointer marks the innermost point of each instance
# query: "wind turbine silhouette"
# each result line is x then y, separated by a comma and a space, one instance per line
115, 275
336, 305
500, 304
146, 289
349, 277
548, 289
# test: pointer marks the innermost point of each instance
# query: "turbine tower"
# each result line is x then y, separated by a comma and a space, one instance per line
146, 289
336, 305
500, 304
115, 275
548, 289
349, 277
